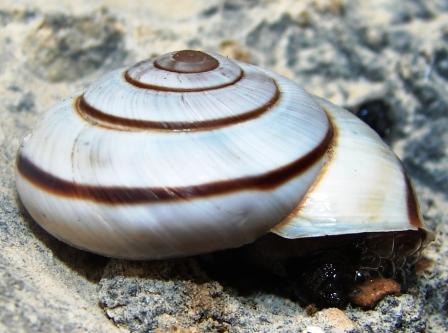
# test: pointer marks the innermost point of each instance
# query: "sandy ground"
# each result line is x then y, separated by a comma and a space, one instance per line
389, 57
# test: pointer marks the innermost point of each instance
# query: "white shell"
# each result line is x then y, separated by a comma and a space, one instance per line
154, 163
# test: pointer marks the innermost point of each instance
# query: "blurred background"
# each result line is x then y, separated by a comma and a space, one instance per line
385, 60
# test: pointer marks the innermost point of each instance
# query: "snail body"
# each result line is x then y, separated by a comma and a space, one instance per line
192, 153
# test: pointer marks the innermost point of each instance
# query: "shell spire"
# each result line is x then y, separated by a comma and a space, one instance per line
186, 61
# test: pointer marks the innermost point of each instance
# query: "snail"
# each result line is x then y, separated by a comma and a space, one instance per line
192, 152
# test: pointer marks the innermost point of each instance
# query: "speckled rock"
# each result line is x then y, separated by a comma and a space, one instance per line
386, 60
62, 47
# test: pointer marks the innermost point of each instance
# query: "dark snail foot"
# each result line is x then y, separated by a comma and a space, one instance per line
325, 279
324, 271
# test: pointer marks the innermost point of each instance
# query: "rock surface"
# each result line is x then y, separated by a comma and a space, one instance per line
385, 60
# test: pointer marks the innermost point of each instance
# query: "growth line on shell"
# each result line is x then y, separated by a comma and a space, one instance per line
148, 86
330, 155
115, 195
99, 118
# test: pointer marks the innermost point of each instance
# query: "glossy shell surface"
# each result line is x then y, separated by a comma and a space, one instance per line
193, 152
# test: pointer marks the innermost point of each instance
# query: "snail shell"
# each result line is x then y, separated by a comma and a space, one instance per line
193, 152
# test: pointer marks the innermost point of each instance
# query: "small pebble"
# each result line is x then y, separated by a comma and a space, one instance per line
370, 292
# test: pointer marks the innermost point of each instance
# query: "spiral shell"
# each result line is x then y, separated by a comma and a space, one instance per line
193, 152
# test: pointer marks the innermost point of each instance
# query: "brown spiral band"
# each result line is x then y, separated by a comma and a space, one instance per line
149, 86
115, 195
99, 118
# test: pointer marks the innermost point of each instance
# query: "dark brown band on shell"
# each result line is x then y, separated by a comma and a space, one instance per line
98, 117
149, 86
115, 195
186, 61
413, 209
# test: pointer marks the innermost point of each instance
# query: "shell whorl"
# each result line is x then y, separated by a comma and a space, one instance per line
187, 153
189, 100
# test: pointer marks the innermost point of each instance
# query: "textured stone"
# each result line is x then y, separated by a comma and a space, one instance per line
355, 53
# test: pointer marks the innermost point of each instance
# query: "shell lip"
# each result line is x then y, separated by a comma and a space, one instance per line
347, 230
316, 226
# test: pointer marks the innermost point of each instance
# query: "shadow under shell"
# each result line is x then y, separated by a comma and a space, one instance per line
320, 270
